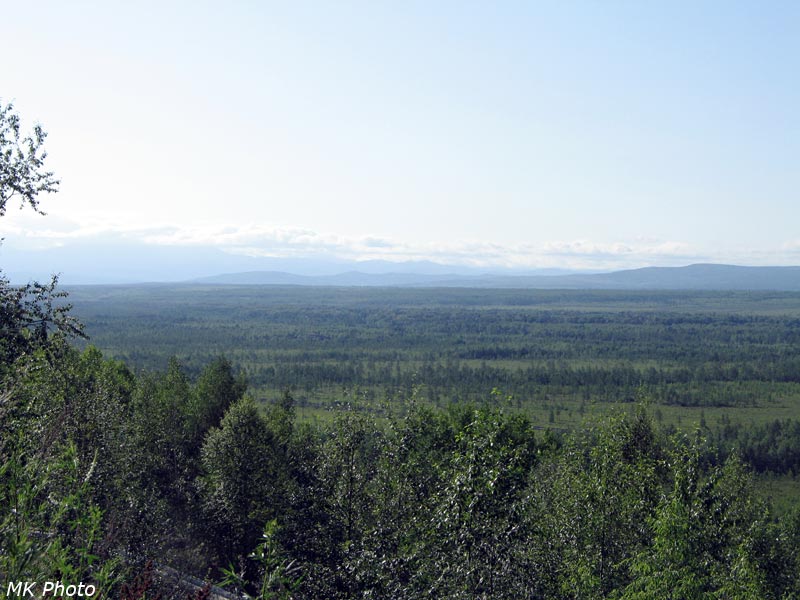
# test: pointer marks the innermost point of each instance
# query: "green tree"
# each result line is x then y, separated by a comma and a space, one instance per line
704, 535
243, 480
50, 529
347, 464
589, 507
217, 389
30, 312
473, 532
54, 426
22, 158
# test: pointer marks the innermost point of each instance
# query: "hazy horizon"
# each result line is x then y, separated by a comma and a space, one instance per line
135, 262
512, 137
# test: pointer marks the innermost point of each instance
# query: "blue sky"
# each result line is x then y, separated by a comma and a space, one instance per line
519, 134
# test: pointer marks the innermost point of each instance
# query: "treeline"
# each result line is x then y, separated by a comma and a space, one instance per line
705, 385
104, 471
450, 373
769, 448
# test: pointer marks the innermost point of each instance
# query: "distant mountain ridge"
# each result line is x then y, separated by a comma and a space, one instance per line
109, 261
691, 277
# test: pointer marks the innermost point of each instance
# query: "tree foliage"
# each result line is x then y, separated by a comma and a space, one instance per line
30, 312
22, 162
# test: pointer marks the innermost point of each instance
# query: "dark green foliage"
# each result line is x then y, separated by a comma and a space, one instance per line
59, 412
474, 520
216, 390
61, 426
50, 527
277, 576
241, 485
347, 467
169, 420
590, 504
465, 503
773, 447
704, 534
29, 314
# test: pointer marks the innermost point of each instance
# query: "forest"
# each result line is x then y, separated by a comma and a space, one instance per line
403, 471
111, 477
346, 443
725, 362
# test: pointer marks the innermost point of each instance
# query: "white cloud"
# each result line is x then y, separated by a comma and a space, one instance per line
266, 241
792, 246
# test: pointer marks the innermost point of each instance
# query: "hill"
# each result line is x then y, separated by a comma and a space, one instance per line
691, 277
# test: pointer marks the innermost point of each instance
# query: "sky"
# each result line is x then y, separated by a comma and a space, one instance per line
523, 135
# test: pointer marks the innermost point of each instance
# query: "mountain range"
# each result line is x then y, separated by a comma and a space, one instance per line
121, 262
691, 277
